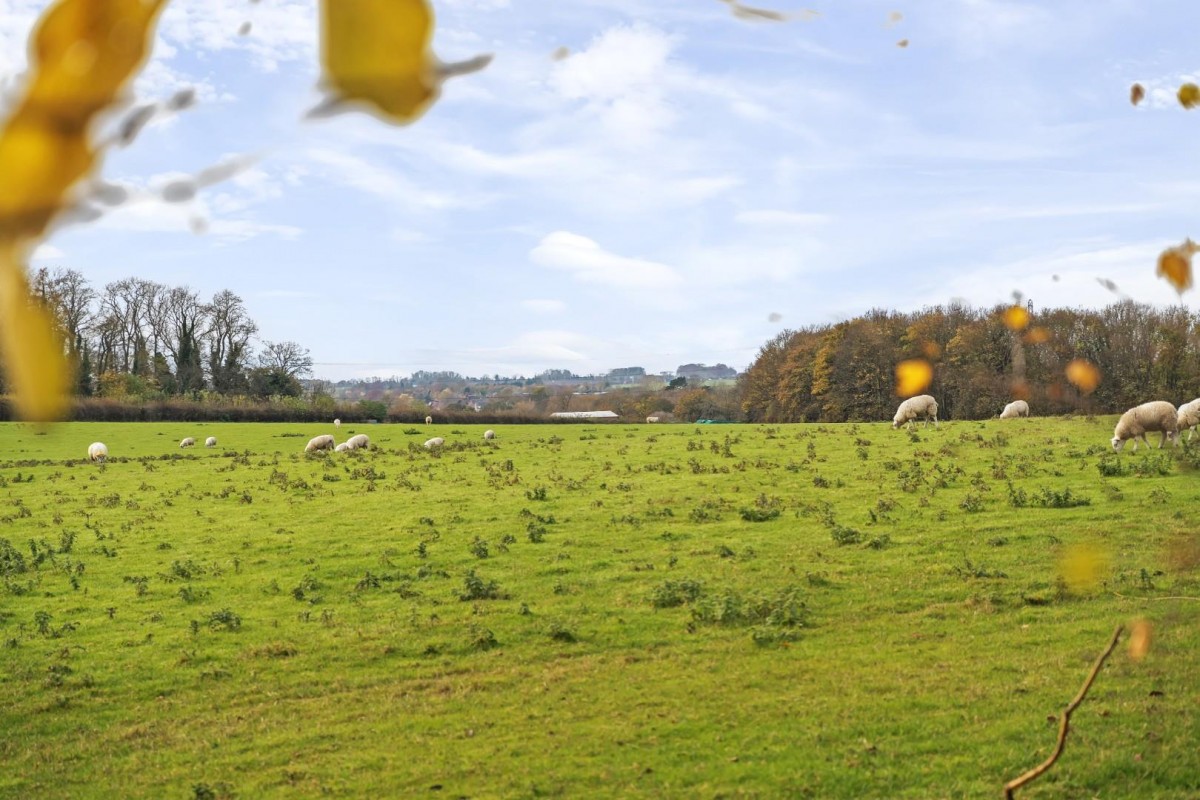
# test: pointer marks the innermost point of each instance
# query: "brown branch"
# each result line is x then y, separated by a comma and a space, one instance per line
1065, 724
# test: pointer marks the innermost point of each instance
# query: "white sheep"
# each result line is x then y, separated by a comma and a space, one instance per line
489, 434
359, 441
210, 441
436, 441
651, 419
187, 442
344, 447
337, 423
1153, 417
97, 451
1189, 417
429, 420
913, 408
1017, 408
324, 442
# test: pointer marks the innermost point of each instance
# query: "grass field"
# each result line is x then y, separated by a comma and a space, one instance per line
601, 611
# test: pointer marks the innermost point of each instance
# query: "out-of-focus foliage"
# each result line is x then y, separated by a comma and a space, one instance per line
83, 54
1189, 95
1083, 375
1175, 264
913, 377
376, 55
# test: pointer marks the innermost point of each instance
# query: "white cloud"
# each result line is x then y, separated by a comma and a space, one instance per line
388, 184
47, 252
586, 261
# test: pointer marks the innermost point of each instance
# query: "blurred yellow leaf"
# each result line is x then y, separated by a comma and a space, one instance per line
1082, 567
1136, 93
902, 43
1037, 335
1189, 95
1175, 264
1083, 375
1140, 634
82, 55
34, 359
913, 377
1016, 318
375, 53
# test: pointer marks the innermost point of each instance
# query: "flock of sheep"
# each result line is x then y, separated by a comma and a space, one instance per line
1157, 416
98, 451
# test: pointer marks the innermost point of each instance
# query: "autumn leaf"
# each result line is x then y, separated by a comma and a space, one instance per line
913, 377
1175, 264
1037, 335
82, 55
1189, 95
1016, 318
1140, 634
1136, 93
376, 55
1083, 567
1083, 375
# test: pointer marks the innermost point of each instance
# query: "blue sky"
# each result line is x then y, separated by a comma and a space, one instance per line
679, 188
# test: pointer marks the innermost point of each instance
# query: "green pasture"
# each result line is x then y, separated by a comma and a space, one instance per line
803, 611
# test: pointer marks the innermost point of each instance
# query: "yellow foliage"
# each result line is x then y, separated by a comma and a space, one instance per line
1083, 375
1189, 95
1083, 567
1140, 634
913, 377
376, 54
83, 54
1175, 264
1016, 318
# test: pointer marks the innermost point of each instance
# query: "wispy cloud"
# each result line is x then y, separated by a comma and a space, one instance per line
586, 261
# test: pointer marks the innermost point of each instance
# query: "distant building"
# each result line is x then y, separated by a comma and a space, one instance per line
696, 373
585, 414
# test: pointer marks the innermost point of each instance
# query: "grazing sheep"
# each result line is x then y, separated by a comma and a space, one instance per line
489, 434
344, 447
97, 451
436, 441
913, 408
337, 423
1189, 417
651, 419
429, 420
359, 441
1017, 408
319, 443
1153, 417
187, 442
210, 441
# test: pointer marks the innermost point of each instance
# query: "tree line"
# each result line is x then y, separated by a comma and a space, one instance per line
846, 370
135, 338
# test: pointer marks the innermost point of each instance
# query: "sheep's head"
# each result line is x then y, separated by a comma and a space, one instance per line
1117, 444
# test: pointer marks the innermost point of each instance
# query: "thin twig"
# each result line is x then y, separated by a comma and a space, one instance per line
1126, 597
1064, 725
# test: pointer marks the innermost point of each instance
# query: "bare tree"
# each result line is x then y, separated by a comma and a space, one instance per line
287, 357
68, 294
228, 337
